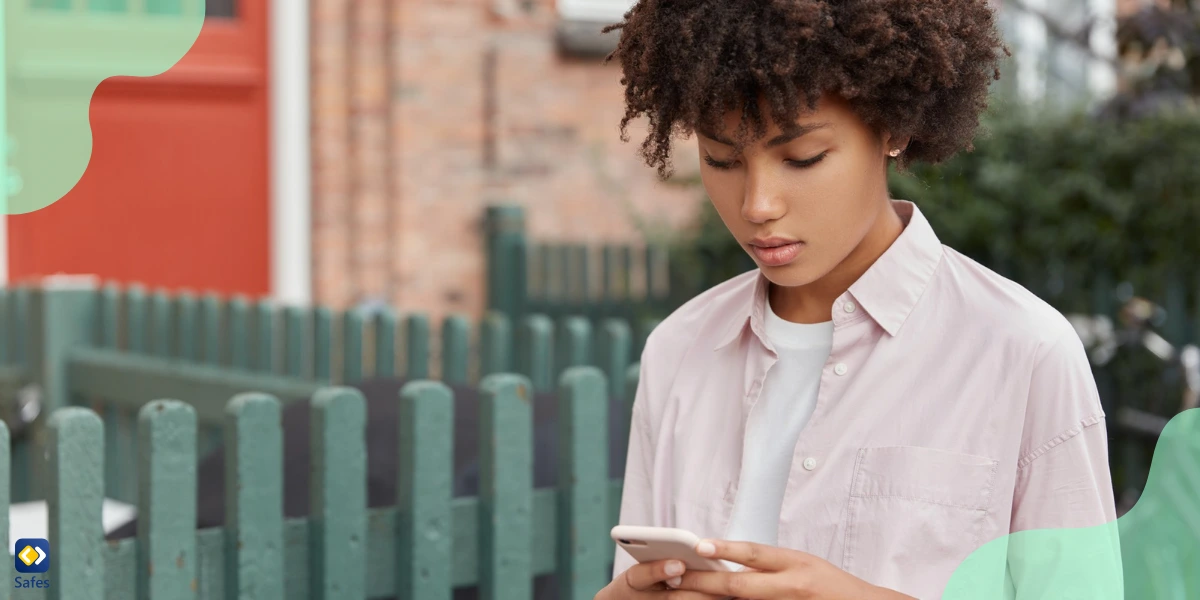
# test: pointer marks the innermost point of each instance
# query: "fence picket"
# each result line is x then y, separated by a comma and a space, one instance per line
560, 277
185, 319
537, 352
239, 334
19, 315
109, 337
608, 282
385, 342
574, 343
135, 319
210, 329
583, 283
264, 336
166, 563
424, 541
323, 351
352, 347
495, 340
615, 346
74, 501
108, 334
632, 377
456, 349
297, 342
416, 333
253, 498
506, 488
339, 495
160, 325
6, 325
582, 515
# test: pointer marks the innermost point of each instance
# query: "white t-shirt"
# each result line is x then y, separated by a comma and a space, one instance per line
787, 401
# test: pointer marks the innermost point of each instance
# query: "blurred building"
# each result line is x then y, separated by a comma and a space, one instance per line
344, 151
426, 112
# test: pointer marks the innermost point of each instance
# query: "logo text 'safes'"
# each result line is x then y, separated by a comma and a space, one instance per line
31, 555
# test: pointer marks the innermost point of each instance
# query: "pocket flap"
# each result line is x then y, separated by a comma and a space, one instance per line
925, 474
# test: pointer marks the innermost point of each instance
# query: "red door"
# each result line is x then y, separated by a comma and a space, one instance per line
175, 195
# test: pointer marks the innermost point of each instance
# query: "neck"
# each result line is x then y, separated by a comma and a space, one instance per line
813, 303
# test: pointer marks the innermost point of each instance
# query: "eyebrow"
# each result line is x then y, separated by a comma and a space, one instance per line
779, 140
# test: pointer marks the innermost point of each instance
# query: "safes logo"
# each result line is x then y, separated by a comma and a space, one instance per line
31, 555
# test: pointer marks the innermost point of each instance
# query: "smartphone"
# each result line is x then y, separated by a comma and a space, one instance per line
650, 544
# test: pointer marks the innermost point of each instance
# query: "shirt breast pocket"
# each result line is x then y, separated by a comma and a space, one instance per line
915, 514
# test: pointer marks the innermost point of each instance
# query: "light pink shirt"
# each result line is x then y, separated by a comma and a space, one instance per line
956, 407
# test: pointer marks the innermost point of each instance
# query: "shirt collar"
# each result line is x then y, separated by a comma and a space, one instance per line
888, 291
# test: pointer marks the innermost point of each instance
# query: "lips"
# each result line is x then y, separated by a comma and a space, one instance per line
777, 255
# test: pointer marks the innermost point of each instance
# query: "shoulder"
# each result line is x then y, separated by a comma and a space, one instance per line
1001, 309
703, 319
1039, 346
696, 326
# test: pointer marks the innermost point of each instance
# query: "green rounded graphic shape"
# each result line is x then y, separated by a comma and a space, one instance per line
56, 52
1153, 551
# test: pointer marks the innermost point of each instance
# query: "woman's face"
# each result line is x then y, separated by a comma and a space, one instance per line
799, 205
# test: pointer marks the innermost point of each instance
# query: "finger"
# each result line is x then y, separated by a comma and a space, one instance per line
646, 576
745, 584
748, 554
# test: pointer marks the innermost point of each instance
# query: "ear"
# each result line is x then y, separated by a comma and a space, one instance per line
892, 144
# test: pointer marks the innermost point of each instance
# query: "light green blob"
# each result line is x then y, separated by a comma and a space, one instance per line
55, 53
1153, 551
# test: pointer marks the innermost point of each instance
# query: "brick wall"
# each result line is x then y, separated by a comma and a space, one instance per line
426, 111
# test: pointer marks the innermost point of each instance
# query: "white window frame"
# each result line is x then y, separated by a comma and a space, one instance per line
601, 11
290, 153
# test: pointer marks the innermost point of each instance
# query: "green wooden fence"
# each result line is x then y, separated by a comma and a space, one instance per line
114, 349
136, 385
421, 548
564, 280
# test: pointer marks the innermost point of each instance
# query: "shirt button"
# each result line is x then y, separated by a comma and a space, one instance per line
849, 307
840, 368
810, 463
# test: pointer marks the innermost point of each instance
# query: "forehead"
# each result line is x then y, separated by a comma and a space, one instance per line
830, 110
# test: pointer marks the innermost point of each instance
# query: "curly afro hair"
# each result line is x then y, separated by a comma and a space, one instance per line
917, 69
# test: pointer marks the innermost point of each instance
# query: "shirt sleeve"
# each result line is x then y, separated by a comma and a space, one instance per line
637, 502
1064, 542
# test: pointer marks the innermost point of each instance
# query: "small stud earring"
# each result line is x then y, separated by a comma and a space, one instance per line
894, 153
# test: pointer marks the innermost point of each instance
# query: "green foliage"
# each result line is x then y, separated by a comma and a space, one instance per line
1051, 204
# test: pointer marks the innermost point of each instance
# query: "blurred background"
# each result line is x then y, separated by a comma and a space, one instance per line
460, 157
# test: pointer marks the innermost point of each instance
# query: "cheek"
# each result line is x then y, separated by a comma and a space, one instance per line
726, 198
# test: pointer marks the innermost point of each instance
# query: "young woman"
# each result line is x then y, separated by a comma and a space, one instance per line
867, 408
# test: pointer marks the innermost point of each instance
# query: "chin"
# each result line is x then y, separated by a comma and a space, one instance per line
795, 274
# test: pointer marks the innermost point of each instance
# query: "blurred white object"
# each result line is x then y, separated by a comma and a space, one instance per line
602, 11
32, 519
1190, 357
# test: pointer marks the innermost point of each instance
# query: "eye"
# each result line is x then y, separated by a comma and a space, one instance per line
806, 163
717, 164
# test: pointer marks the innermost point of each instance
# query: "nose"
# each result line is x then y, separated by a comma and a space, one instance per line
762, 201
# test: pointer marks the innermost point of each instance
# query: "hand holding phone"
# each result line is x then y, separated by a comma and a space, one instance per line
655, 548
650, 544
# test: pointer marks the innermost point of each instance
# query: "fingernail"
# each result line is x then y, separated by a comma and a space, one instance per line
674, 568
674, 581
706, 548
